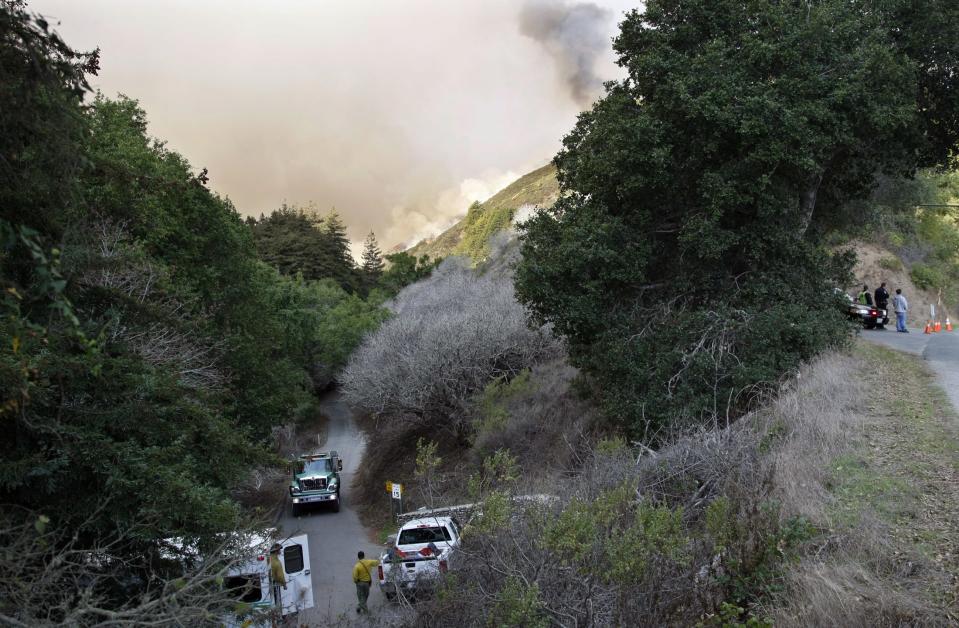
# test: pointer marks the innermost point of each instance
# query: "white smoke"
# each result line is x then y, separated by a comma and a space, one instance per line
410, 225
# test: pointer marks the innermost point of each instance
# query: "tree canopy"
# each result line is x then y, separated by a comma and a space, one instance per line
683, 261
299, 240
372, 260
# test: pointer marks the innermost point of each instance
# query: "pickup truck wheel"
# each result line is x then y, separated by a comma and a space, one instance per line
336, 504
295, 509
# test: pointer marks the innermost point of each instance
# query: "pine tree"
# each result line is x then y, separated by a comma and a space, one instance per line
372, 260
338, 242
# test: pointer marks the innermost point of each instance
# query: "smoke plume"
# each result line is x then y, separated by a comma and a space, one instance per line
576, 36
399, 114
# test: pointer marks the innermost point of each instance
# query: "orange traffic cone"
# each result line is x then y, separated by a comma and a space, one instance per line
938, 327
928, 328
948, 324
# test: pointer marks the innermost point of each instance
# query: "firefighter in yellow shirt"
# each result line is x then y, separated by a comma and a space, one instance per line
363, 578
277, 575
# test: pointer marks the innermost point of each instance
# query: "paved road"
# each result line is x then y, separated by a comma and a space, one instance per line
335, 537
941, 350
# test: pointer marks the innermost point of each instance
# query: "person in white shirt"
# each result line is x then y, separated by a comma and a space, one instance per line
901, 306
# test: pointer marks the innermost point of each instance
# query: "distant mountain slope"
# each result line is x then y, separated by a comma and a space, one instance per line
470, 236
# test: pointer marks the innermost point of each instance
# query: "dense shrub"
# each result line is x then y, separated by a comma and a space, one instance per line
620, 544
147, 353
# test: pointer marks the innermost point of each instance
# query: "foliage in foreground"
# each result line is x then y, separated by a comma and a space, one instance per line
684, 263
791, 516
620, 544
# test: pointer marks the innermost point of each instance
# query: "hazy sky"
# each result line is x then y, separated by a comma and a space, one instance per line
396, 112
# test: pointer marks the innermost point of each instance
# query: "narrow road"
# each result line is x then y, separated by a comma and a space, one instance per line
940, 350
335, 537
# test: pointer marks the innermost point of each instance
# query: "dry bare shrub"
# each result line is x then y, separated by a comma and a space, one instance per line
417, 375
697, 468
450, 335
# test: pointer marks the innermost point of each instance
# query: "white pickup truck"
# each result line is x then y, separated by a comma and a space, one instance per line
423, 550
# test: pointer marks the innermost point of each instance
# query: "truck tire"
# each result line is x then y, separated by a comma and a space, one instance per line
295, 510
336, 504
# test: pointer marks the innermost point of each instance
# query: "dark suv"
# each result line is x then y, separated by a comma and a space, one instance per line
869, 315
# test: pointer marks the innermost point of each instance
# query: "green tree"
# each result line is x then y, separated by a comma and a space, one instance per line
683, 262
298, 240
405, 269
344, 267
372, 260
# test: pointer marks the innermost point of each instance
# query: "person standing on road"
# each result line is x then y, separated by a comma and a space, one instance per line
363, 578
277, 576
865, 297
882, 300
901, 306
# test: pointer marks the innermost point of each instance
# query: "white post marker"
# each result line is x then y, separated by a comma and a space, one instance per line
397, 489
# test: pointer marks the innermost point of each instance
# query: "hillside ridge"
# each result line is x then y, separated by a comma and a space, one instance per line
469, 236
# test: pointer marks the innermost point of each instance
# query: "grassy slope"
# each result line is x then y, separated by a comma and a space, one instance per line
871, 458
906, 472
470, 235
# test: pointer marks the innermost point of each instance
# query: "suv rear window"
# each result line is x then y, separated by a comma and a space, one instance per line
413, 536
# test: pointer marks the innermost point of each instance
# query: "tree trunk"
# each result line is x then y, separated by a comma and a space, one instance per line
807, 203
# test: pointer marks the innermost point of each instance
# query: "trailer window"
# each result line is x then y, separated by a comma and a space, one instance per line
293, 558
414, 536
245, 588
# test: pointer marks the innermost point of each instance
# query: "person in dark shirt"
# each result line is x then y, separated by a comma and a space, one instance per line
882, 300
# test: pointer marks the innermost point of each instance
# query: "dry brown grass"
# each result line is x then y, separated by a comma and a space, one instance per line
816, 419
843, 462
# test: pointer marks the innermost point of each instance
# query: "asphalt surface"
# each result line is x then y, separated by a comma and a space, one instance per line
335, 537
940, 350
